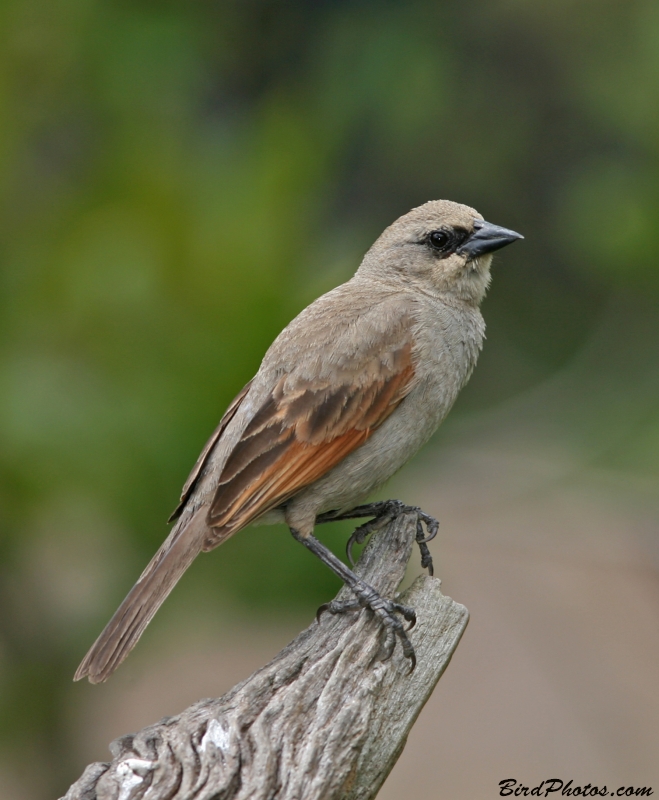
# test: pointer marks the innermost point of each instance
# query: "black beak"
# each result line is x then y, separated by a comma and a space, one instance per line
487, 238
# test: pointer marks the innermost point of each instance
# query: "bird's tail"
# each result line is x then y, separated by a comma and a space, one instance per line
123, 631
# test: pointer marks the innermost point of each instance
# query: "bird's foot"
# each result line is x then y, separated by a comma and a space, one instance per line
365, 596
334, 607
386, 611
383, 512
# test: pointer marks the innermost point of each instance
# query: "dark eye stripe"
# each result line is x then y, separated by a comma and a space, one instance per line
446, 241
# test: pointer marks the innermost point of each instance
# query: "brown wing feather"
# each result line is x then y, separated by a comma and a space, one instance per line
300, 434
203, 457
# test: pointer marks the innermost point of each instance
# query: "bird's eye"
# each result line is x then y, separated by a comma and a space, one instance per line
439, 239
446, 241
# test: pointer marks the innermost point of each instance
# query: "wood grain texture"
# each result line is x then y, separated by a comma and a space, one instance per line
325, 720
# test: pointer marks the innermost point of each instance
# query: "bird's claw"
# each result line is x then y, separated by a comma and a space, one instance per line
395, 628
407, 612
334, 607
358, 536
385, 611
382, 513
389, 645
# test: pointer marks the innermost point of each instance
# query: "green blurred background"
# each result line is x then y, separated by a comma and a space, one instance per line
178, 179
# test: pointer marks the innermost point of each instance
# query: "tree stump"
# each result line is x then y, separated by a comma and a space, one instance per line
326, 719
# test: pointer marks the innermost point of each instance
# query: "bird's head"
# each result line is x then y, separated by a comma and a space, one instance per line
441, 247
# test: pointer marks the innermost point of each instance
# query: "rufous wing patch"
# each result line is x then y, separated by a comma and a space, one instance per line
300, 433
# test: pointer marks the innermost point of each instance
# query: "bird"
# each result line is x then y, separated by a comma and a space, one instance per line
347, 393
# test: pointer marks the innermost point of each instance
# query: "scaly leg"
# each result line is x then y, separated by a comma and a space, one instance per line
385, 610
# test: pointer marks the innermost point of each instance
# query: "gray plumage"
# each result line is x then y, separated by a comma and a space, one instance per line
345, 395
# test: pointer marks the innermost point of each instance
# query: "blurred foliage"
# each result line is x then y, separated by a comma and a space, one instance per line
178, 179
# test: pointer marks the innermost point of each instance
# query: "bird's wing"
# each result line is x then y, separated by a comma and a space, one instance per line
303, 429
229, 414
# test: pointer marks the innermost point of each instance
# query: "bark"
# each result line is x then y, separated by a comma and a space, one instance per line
325, 719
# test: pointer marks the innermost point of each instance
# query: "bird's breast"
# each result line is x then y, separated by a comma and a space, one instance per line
446, 349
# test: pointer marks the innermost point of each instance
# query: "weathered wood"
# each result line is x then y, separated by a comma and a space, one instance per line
325, 719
